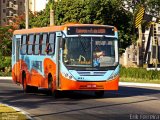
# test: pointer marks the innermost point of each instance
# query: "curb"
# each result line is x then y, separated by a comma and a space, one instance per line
139, 84
5, 78
21, 112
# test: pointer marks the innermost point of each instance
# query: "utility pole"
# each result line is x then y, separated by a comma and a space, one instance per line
139, 52
27, 13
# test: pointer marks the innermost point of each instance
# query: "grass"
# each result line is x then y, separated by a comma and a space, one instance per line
8, 113
140, 75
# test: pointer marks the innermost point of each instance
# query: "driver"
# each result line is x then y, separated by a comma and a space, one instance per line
96, 55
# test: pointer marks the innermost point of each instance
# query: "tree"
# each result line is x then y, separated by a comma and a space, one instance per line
108, 12
6, 40
5, 45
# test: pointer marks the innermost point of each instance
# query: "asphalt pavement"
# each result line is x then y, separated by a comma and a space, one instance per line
130, 102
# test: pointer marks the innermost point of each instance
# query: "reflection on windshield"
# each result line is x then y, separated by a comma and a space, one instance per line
103, 52
77, 51
89, 52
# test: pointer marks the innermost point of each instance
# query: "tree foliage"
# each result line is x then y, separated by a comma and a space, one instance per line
5, 45
6, 40
108, 12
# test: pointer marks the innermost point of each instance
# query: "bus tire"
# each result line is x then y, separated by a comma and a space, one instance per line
27, 88
99, 93
51, 87
33, 89
24, 83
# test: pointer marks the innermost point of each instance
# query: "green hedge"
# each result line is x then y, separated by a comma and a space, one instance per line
5, 65
141, 73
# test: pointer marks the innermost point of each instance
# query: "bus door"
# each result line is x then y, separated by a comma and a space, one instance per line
16, 56
58, 57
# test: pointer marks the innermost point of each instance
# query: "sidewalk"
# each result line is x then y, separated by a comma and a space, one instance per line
12, 113
5, 78
139, 84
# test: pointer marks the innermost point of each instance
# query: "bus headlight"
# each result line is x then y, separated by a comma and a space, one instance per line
68, 76
113, 76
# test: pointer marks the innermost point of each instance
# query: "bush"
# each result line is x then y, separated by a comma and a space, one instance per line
141, 73
5, 65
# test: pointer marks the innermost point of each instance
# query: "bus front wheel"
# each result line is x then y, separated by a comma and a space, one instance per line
51, 86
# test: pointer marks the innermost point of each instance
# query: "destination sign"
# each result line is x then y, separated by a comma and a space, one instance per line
98, 30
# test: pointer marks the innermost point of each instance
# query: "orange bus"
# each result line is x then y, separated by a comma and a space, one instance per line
68, 57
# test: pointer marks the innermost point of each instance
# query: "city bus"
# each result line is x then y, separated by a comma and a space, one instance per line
70, 57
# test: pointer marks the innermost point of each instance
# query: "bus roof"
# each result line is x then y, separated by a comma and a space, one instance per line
52, 28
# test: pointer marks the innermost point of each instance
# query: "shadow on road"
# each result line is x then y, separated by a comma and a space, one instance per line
34, 100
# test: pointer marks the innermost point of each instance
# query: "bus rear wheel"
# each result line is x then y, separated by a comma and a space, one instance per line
99, 93
27, 88
24, 83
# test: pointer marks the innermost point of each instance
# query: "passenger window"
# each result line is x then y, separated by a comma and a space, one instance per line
44, 41
24, 46
36, 50
30, 44
51, 43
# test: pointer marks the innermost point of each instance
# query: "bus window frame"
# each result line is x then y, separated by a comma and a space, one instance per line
41, 43
37, 44
26, 42
30, 44
53, 49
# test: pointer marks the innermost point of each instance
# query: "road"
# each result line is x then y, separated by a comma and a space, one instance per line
129, 103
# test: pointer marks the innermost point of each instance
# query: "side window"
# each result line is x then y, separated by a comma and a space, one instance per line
23, 44
51, 44
36, 50
43, 42
30, 44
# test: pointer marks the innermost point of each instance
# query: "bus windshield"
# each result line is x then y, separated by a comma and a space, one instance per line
90, 51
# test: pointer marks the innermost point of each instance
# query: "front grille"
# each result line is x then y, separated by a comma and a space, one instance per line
91, 73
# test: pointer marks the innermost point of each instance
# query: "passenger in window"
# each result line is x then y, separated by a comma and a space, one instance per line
48, 48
